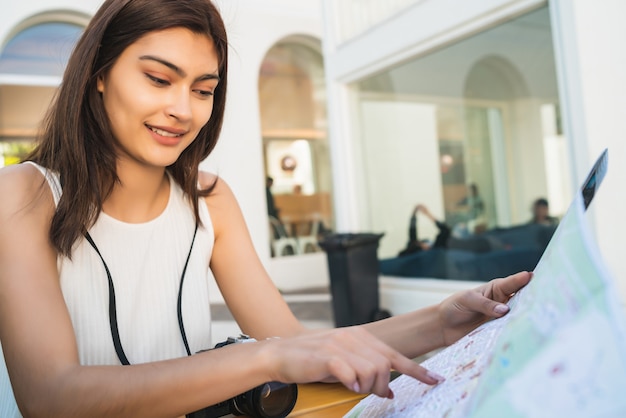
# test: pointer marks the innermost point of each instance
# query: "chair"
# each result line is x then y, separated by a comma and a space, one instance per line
310, 241
280, 240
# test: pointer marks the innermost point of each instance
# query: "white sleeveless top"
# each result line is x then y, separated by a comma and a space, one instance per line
146, 261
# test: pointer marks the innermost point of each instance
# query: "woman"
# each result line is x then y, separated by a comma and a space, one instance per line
112, 203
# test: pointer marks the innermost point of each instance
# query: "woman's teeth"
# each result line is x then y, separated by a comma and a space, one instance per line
163, 133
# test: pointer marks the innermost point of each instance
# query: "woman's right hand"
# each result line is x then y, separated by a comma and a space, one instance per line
350, 355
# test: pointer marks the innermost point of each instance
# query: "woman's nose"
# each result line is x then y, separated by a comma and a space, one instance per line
179, 106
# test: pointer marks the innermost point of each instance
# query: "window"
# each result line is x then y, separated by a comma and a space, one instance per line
293, 121
39, 50
42, 49
478, 117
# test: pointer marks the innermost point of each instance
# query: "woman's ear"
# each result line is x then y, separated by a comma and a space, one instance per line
100, 84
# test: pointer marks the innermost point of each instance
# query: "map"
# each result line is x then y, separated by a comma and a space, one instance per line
559, 352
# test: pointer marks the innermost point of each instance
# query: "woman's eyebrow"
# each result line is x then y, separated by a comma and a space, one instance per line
177, 69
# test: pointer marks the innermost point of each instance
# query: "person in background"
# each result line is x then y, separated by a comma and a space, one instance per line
472, 218
473, 203
109, 231
414, 244
272, 210
541, 213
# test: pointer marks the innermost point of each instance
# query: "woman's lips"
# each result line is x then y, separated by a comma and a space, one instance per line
166, 136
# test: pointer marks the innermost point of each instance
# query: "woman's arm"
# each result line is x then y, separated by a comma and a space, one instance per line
39, 343
421, 331
350, 355
250, 294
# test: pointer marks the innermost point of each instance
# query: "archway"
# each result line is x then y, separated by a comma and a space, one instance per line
493, 88
32, 62
296, 152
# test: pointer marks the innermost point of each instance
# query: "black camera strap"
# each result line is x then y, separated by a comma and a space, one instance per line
113, 311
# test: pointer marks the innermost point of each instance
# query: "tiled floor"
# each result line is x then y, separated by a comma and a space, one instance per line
312, 307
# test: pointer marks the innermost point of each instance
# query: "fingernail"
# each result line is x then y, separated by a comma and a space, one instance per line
390, 395
435, 376
501, 309
356, 388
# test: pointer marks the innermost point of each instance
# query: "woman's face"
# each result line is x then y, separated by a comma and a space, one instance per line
159, 94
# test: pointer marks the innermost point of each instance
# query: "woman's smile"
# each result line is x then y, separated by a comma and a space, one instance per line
166, 136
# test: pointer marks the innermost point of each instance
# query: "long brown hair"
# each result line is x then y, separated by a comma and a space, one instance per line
77, 140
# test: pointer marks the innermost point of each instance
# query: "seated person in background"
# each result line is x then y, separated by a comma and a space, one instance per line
541, 213
415, 245
473, 203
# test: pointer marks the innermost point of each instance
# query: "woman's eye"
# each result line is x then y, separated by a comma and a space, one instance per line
204, 93
157, 81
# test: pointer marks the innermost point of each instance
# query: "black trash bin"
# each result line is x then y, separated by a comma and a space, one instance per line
353, 269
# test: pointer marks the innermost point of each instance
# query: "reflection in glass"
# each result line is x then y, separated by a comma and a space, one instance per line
293, 120
40, 50
480, 114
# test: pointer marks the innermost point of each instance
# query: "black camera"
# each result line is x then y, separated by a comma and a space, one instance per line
269, 400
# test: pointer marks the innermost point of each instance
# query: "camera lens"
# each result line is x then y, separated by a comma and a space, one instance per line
270, 400
275, 398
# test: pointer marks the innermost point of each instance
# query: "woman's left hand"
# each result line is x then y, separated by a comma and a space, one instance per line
464, 311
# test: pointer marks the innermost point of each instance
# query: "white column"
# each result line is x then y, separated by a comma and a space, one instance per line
592, 72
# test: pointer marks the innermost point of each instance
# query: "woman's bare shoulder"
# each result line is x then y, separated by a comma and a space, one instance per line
206, 179
23, 188
221, 188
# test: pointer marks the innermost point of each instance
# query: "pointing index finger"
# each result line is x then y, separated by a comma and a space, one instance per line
411, 368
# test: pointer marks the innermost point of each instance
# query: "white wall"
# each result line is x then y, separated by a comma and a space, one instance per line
593, 77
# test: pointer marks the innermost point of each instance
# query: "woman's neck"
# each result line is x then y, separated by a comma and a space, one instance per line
140, 196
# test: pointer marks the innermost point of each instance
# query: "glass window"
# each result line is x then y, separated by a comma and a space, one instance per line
40, 50
472, 131
297, 157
